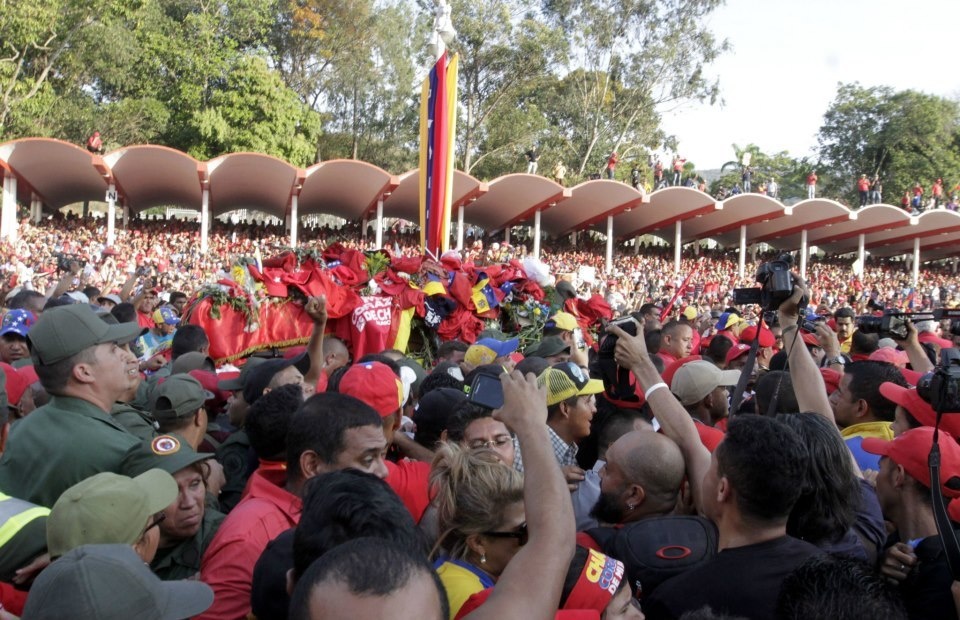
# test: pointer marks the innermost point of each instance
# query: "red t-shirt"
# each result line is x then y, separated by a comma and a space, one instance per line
227, 567
410, 480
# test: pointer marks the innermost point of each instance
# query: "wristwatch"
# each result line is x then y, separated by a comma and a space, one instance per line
839, 359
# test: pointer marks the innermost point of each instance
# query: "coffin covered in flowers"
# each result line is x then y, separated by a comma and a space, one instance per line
376, 301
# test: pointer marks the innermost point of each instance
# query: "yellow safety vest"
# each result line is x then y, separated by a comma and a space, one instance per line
15, 514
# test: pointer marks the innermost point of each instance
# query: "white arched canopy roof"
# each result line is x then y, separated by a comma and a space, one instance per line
344, 187
404, 201
252, 181
58, 172
150, 176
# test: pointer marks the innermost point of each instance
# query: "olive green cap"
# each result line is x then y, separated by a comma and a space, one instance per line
64, 331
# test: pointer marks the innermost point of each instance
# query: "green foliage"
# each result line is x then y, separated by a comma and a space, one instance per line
254, 111
905, 137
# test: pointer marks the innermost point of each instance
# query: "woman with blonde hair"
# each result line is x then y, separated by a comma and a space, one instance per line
481, 518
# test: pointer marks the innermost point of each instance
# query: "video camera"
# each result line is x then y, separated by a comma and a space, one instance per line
892, 324
951, 314
64, 260
776, 286
941, 388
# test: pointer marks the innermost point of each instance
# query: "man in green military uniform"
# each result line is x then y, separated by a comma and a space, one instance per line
81, 362
178, 407
234, 453
189, 524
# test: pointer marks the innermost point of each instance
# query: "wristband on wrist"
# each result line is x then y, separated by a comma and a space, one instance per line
653, 388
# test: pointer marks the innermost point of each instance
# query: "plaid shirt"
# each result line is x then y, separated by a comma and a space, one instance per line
566, 453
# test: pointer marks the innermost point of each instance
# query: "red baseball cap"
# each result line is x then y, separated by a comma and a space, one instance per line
890, 355
767, 338
832, 378
909, 399
375, 384
810, 340
911, 449
736, 351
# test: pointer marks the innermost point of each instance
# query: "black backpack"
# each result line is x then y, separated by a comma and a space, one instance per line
656, 549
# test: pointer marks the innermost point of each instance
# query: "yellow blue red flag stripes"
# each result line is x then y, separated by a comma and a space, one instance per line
438, 114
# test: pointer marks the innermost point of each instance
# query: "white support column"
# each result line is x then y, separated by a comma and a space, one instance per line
609, 244
862, 251
536, 234
8, 214
294, 219
36, 209
205, 220
460, 232
742, 263
573, 239
916, 261
955, 261
126, 216
111, 214
804, 250
363, 229
636, 245
379, 236
506, 235
677, 247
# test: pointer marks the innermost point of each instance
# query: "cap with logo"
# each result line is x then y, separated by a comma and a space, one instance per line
375, 384
166, 452
17, 322
111, 582
767, 339
692, 382
567, 380
736, 351
107, 508
165, 315
486, 350
64, 331
178, 396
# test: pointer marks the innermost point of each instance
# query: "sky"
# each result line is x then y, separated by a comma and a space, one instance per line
788, 56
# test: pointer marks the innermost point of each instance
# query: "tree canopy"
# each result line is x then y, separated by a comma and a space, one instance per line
905, 137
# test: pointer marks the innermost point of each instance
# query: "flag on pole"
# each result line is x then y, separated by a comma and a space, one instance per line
438, 113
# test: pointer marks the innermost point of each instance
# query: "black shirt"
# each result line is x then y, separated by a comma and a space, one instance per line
926, 590
743, 581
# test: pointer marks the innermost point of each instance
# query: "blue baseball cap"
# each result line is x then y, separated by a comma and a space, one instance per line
17, 322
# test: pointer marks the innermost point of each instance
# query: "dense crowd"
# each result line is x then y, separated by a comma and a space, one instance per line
696, 459
169, 251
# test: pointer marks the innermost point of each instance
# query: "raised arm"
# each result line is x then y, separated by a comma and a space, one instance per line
631, 352
316, 309
549, 511
807, 381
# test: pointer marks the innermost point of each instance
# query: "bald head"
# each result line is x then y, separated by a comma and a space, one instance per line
649, 460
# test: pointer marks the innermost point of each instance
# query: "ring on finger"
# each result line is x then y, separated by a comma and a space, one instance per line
903, 567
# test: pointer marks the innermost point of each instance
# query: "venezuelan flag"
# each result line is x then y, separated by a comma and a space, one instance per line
438, 113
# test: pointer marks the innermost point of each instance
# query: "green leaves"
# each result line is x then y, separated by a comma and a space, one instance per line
905, 137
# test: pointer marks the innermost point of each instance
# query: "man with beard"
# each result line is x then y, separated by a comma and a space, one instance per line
641, 479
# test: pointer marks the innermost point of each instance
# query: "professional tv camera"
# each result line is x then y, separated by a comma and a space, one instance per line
776, 286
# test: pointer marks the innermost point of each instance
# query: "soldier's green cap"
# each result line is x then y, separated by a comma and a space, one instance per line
64, 331
107, 508
177, 397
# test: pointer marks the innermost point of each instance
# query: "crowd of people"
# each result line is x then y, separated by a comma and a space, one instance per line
168, 251
692, 459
